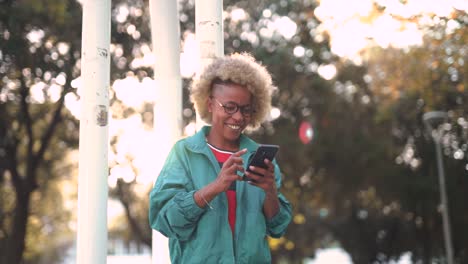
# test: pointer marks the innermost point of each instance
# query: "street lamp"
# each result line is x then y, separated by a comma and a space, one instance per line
433, 121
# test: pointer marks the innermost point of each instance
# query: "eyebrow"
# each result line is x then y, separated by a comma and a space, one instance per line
249, 104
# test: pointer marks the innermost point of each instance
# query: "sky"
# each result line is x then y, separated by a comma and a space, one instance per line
352, 28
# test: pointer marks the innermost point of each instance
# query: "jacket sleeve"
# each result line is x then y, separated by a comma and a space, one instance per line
172, 208
276, 226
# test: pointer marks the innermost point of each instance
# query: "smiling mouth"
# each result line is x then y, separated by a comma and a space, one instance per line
234, 127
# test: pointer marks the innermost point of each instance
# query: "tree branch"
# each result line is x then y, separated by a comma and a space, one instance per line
57, 116
24, 92
46, 138
131, 219
12, 164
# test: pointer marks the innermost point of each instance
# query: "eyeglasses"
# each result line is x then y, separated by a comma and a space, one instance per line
232, 108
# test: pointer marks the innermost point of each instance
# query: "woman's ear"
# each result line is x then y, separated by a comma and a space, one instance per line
209, 103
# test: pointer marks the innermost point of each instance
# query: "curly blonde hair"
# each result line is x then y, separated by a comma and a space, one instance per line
239, 68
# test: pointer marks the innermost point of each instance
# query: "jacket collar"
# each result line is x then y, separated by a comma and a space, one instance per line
197, 142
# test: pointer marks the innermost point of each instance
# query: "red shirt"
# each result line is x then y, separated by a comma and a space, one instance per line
221, 157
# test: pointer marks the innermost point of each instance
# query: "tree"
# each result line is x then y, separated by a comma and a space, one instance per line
423, 79
363, 199
39, 51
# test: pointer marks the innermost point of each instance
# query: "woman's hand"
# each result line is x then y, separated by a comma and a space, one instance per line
268, 184
228, 173
265, 182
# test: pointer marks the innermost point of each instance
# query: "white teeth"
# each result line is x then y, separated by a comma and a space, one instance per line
234, 127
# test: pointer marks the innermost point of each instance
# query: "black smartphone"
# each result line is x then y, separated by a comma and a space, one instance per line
257, 158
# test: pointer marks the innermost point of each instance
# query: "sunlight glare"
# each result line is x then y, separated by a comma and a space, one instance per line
266, 32
409, 36
61, 79
351, 31
439, 8
122, 13
266, 13
460, 5
37, 92
299, 51
285, 26
134, 93
190, 129
133, 143
238, 14
112, 180
327, 10
189, 56
275, 112
349, 38
385, 30
73, 105
114, 210
63, 48
331, 255
35, 36
147, 60
122, 171
54, 92
127, 174
327, 72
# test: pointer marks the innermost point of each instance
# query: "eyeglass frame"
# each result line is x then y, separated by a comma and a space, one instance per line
240, 108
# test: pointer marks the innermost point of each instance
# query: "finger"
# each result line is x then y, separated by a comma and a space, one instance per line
239, 153
238, 168
253, 183
237, 160
234, 168
270, 165
254, 176
232, 161
260, 170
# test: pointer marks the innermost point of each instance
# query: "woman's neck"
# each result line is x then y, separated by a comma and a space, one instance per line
220, 143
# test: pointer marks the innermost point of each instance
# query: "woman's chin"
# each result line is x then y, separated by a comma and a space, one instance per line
232, 134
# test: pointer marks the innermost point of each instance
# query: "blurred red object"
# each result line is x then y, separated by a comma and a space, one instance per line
306, 132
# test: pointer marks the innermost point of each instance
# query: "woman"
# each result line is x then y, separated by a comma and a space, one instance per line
199, 200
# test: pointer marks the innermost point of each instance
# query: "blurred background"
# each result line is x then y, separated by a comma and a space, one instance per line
354, 80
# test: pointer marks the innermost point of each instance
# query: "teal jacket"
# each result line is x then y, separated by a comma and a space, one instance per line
203, 235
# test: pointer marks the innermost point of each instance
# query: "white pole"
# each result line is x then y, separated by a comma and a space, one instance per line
165, 35
433, 121
93, 146
209, 34
443, 198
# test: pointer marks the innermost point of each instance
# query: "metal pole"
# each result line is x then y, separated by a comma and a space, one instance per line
443, 198
165, 35
209, 34
93, 146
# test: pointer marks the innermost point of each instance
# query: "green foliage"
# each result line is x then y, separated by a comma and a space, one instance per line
357, 184
52, 10
431, 77
36, 131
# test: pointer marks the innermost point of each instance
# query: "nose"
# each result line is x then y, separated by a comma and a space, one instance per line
238, 116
